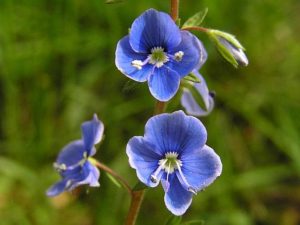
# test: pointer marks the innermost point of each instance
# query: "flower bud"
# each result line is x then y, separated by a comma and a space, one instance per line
229, 47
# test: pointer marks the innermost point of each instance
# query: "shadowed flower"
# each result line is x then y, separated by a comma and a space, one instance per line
73, 162
173, 152
158, 52
188, 99
190, 102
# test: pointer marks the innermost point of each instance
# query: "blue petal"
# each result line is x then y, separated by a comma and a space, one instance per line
92, 132
188, 101
154, 29
71, 154
124, 57
203, 55
57, 188
163, 83
191, 49
89, 175
175, 132
177, 199
80, 175
201, 167
143, 157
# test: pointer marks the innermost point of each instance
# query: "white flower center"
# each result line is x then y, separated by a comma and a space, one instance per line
170, 163
158, 58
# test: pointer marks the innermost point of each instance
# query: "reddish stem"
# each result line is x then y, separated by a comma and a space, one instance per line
202, 29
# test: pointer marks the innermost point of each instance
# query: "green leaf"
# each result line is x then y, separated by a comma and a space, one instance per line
117, 183
196, 19
174, 220
139, 186
192, 77
195, 93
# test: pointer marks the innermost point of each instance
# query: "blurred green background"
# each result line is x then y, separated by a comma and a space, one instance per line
57, 69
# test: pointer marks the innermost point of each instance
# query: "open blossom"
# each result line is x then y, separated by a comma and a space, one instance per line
188, 100
173, 152
73, 162
158, 52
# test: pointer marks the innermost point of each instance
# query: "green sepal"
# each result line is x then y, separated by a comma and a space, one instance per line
222, 49
114, 180
174, 220
196, 19
195, 93
139, 186
229, 37
192, 77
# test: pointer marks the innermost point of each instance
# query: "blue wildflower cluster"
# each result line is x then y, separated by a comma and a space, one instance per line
173, 150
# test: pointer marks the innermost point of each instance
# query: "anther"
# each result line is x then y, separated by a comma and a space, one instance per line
153, 176
153, 179
137, 64
59, 167
178, 56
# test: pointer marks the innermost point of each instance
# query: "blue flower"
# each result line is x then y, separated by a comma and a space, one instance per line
158, 52
188, 100
73, 162
173, 152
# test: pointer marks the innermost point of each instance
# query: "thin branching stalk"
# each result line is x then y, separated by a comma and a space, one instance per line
120, 179
202, 29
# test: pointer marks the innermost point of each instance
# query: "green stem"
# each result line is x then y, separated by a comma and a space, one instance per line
114, 174
138, 196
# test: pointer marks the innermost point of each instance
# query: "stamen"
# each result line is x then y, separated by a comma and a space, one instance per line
153, 176
189, 187
85, 155
169, 169
59, 167
178, 56
137, 64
